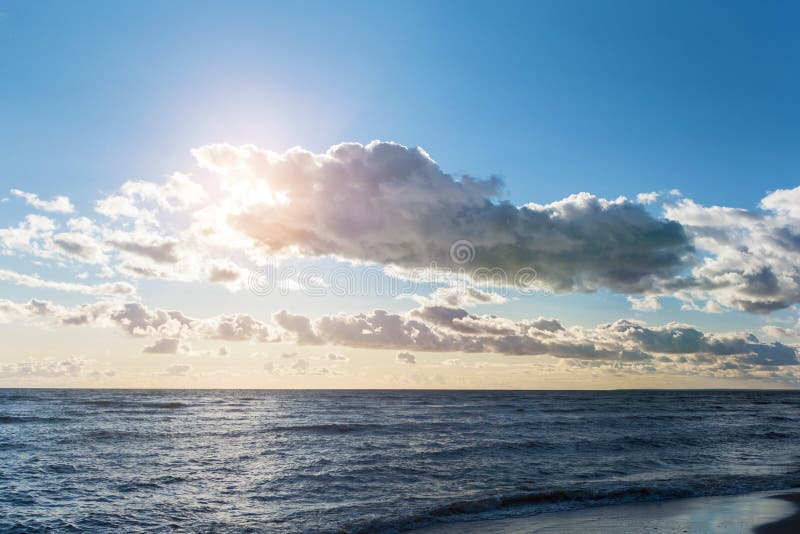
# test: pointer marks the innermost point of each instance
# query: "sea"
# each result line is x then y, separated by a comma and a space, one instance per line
374, 461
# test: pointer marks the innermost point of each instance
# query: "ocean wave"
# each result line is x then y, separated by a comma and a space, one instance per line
134, 404
310, 461
532, 503
18, 419
326, 428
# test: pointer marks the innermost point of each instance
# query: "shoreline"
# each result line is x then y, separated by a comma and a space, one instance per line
768, 512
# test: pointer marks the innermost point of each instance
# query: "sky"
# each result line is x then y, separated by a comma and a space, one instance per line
423, 195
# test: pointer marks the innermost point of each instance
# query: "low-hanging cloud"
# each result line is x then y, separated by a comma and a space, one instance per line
442, 329
425, 329
137, 320
72, 366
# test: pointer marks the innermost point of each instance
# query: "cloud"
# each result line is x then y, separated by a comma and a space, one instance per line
405, 357
334, 357
157, 250
28, 234
752, 258
179, 192
683, 339
59, 204
389, 204
298, 325
120, 289
647, 198
178, 369
301, 366
117, 206
223, 271
462, 297
235, 327
298, 367
392, 205
163, 346
427, 329
48, 368
81, 247
784, 202
782, 331
438, 329
646, 303
137, 320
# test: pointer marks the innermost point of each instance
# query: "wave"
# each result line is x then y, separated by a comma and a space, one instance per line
526, 504
139, 485
18, 419
131, 404
333, 428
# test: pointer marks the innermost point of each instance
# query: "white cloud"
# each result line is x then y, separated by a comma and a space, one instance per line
27, 235
784, 202
178, 369
645, 303
179, 192
116, 206
647, 198
108, 289
47, 368
297, 367
751, 260
59, 204
137, 320
459, 297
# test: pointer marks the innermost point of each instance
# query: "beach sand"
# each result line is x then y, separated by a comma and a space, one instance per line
776, 512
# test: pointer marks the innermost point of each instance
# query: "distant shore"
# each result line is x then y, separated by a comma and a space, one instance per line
773, 512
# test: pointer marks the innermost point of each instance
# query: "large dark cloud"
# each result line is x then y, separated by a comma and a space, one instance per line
390, 204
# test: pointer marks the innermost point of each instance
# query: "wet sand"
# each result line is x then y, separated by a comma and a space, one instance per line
786, 525
776, 512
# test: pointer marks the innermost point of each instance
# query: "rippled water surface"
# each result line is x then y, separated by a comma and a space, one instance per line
299, 461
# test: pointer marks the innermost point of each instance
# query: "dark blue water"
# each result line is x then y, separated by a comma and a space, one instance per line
362, 461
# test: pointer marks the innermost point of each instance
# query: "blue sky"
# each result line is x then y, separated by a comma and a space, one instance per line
556, 98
